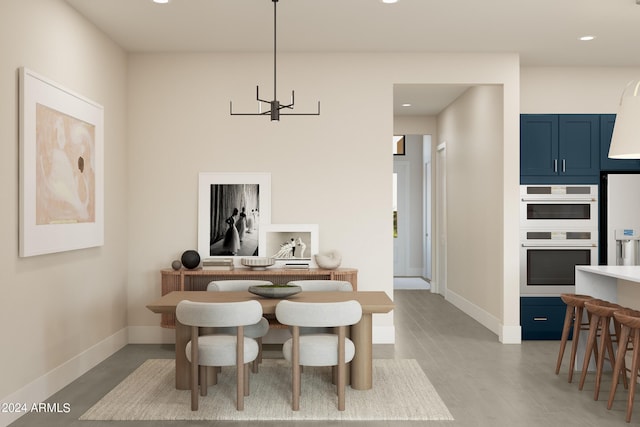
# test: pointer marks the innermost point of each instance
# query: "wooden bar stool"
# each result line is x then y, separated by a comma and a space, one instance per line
629, 321
572, 320
601, 318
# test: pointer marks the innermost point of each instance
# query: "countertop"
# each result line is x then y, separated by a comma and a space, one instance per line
625, 272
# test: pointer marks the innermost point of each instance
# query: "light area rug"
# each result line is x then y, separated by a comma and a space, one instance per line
401, 391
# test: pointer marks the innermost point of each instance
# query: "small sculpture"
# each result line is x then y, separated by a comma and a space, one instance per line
328, 260
286, 250
294, 248
190, 259
176, 264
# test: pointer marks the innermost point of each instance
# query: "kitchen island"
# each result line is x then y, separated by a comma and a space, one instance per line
619, 284
613, 283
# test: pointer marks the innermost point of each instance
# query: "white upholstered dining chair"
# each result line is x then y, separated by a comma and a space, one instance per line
323, 285
318, 349
219, 349
256, 331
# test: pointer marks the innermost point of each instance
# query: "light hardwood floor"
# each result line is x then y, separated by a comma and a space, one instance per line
483, 382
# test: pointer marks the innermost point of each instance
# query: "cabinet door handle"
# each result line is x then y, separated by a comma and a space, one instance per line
540, 319
563, 165
555, 165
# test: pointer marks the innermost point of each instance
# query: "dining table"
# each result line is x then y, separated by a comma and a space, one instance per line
361, 372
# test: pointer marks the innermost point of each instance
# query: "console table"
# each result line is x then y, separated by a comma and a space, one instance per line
198, 279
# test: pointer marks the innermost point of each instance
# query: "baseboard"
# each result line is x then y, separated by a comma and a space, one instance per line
483, 317
53, 381
414, 272
511, 335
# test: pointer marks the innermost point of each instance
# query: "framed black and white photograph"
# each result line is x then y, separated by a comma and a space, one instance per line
289, 242
232, 209
61, 168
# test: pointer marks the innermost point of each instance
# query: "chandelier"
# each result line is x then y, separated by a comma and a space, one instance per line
275, 106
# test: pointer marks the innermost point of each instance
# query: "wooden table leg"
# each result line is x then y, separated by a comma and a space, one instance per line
183, 336
361, 365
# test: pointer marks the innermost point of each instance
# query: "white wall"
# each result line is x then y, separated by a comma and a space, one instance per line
472, 128
560, 90
61, 313
333, 170
322, 168
415, 125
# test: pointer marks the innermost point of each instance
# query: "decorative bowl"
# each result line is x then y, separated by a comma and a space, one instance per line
257, 263
328, 260
275, 291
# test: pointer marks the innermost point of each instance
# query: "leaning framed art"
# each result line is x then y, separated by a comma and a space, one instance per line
61, 168
289, 242
232, 207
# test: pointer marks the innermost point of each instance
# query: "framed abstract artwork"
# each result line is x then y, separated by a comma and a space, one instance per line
232, 208
61, 168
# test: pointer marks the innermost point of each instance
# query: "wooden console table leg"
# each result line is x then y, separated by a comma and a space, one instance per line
361, 365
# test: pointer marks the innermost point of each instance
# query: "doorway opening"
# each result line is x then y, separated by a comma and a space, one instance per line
412, 214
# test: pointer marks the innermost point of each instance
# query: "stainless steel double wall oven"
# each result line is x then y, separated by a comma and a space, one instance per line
558, 230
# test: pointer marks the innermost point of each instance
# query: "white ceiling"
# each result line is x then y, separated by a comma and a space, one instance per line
543, 32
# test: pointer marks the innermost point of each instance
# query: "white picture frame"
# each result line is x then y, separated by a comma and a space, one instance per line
218, 195
61, 195
275, 240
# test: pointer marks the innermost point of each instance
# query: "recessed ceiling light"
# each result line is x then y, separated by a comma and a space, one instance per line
406, 105
389, 1
587, 38
161, 1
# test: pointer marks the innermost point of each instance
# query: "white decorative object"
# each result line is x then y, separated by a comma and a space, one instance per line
257, 263
288, 242
328, 260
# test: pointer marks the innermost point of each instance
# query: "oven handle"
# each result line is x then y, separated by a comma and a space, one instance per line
564, 201
546, 245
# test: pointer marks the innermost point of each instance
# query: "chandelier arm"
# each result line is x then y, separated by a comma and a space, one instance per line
300, 114
266, 113
258, 96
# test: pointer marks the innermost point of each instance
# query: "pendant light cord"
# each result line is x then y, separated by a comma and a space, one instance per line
275, 2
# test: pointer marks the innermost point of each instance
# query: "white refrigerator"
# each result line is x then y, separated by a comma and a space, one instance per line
621, 192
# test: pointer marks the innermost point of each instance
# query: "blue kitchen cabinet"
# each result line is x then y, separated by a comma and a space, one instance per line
559, 148
542, 318
538, 144
606, 164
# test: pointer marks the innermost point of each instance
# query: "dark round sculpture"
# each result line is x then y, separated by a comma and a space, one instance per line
190, 259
